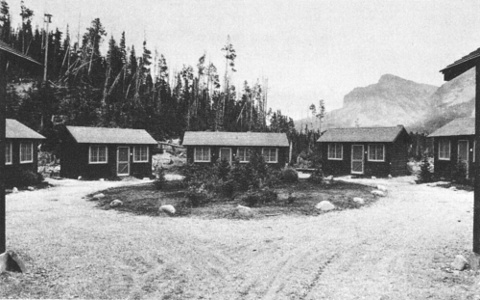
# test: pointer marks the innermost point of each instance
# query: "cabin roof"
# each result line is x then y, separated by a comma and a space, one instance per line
102, 135
362, 134
248, 139
17, 130
463, 126
11, 51
461, 65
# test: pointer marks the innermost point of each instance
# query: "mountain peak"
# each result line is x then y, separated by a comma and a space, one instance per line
390, 78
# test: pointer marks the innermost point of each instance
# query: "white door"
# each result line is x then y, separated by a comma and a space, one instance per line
357, 159
226, 154
123, 161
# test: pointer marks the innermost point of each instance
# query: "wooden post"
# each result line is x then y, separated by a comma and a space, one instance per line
476, 193
3, 94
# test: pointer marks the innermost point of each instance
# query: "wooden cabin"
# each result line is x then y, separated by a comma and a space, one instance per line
454, 144
207, 147
368, 151
96, 152
21, 148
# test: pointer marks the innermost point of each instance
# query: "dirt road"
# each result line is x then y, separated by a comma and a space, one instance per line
397, 248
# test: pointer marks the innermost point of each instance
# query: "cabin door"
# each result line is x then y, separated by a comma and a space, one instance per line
463, 152
123, 161
357, 159
226, 154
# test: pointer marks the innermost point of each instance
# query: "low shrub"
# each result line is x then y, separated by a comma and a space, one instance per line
23, 178
197, 196
226, 188
425, 174
317, 176
259, 197
160, 180
460, 173
289, 175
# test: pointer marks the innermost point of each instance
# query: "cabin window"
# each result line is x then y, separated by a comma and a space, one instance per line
97, 154
376, 152
8, 153
444, 150
335, 151
202, 154
243, 154
140, 154
270, 155
26, 152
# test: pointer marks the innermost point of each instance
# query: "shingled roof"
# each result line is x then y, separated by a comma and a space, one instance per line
102, 135
248, 139
464, 126
461, 65
16, 130
362, 134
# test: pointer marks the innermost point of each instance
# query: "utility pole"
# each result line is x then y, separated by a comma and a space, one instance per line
47, 19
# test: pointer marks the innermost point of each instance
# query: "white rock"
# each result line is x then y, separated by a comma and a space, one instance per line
243, 211
282, 196
452, 188
101, 179
460, 263
14, 190
382, 188
116, 203
30, 188
79, 178
390, 176
378, 193
98, 196
325, 206
329, 178
359, 200
146, 178
373, 177
169, 209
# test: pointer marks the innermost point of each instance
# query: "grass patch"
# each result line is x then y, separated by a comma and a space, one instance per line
458, 186
301, 199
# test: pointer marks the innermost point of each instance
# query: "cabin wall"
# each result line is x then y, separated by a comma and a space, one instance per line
283, 153
74, 162
16, 166
446, 168
395, 161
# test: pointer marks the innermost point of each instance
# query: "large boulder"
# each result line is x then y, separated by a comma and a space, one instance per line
382, 188
378, 193
243, 212
169, 209
325, 206
460, 263
9, 261
98, 196
359, 200
116, 203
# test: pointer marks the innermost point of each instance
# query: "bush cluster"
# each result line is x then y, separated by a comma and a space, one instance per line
425, 174
317, 176
23, 178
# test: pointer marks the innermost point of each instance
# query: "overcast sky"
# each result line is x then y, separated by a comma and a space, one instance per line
309, 50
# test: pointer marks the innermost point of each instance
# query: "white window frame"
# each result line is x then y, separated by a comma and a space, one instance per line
8, 147
27, 161
201, 160
370, 146
247, 155
137, 148
335, 145
276, 155
98, 156
449, 149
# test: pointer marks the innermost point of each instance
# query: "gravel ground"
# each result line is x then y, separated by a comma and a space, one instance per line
398, 248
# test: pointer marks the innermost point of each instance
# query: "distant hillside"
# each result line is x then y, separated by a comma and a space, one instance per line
394, 100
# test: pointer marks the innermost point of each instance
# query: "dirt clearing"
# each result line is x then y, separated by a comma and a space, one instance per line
397, 248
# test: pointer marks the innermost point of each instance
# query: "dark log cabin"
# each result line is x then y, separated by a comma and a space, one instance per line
365, 151
453, 147
95, 152
205, 147
21, 149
